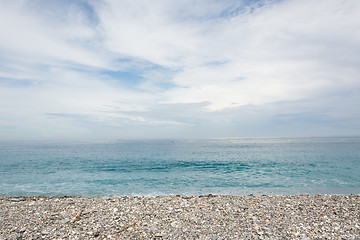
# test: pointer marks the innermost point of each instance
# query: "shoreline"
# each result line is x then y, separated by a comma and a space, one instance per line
304, 216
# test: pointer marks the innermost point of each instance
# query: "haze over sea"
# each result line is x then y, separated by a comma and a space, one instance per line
234, 166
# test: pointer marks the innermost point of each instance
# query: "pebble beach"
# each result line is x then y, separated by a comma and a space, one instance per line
181, 217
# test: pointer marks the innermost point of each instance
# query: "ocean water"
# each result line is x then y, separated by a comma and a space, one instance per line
234, 166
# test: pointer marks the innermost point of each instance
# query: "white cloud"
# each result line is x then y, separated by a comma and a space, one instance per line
28, 37
168, 68
146, 30
287, 51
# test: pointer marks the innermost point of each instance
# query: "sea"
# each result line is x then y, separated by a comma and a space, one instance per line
153, 167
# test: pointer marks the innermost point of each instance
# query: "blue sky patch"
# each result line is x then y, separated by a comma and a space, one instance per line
18, 83
128, 79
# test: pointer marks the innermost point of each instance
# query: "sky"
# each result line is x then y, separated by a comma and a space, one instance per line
109, 69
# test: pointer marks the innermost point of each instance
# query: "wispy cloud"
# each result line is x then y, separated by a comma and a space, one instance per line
165, 69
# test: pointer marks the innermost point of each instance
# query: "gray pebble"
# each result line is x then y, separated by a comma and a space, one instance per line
45, 232
175, 217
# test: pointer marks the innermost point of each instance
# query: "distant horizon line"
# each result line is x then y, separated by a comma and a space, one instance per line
177, 138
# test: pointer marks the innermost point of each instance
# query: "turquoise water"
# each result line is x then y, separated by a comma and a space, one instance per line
181, 166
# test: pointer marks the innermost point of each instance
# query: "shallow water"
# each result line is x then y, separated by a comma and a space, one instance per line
233, 166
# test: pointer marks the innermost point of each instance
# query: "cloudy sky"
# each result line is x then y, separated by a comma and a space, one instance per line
109, 69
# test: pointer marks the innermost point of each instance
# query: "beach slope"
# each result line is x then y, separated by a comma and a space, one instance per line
181, 217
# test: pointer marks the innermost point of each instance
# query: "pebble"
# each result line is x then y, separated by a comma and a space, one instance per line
64, 221
158, 235
178, 217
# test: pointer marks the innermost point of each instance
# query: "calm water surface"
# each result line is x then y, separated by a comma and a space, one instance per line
233, 166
